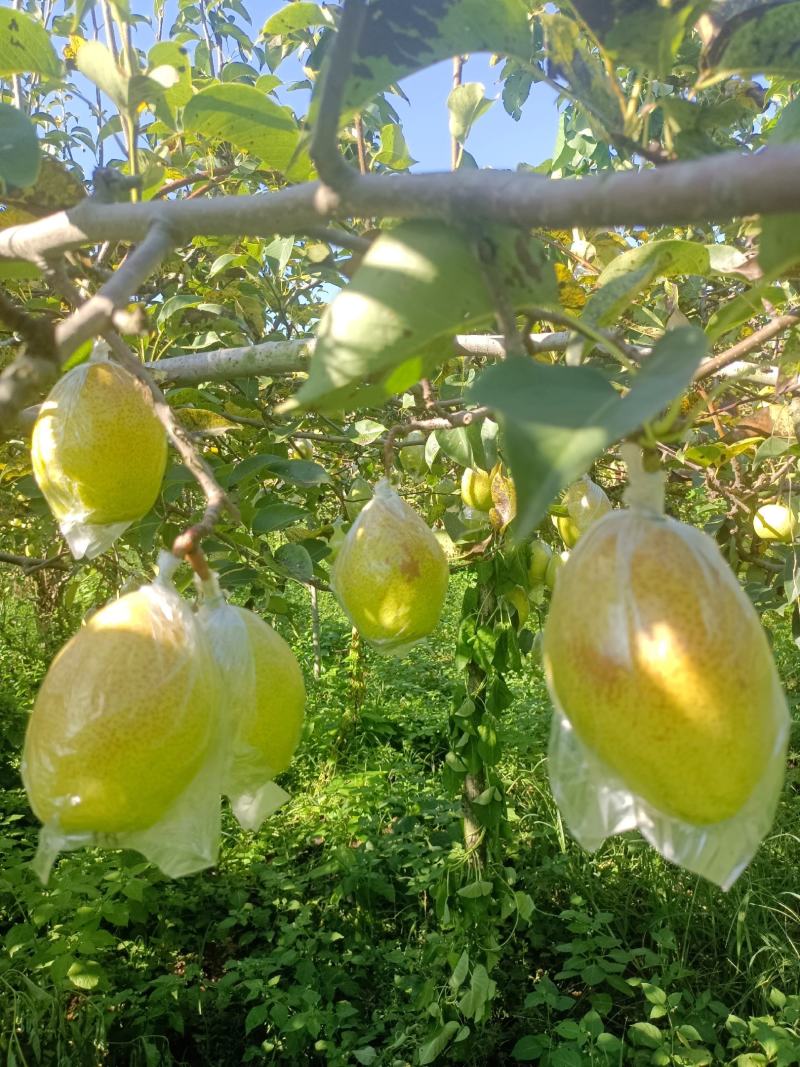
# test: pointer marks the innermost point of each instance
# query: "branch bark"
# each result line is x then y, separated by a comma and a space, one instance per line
706, 190
775, 326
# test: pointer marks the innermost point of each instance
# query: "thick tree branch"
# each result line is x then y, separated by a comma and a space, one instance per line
268, 357
707, 190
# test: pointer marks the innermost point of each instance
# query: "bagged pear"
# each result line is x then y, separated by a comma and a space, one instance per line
265, 704
669, 714
98, 452
122, 746
391, 574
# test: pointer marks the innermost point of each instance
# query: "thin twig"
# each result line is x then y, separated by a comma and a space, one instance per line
444, 422
749, 344
324, 147
30, 565
103, 308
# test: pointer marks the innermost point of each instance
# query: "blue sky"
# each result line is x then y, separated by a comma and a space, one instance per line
496, 140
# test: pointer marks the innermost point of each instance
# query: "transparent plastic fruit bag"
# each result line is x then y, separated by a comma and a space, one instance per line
390, 575
123, 745
265, 701
669, 713
98, 452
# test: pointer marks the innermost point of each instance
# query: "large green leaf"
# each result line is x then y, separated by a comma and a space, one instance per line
162, 57
640, 33
25, 46
762, 40
556, 420
570, 59
96, 63
20, 155
248, 119
627, 275
401, 36
416, 285
294, 17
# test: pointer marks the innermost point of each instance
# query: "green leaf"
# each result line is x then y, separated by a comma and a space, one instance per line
460, 971
472, 1005
432, 1049
294, 17
567, 52
394, 150
456, 445
644, 34
646, 1035
25, 46
209, 423
529, 1048
97, 64
762, 40
779, 248
400, 38
556, 419
474, 890
166, 56
417, 284
85, 974
296, 562
277, 517
20, 154
627, 275
466, 103
248, 119
743, 307
299, 471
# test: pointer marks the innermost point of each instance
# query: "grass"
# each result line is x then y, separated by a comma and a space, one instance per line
337, 934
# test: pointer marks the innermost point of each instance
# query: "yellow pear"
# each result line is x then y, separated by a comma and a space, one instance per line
775, 522
358, 496
658, 660
476, 489
391, 574
124, 718
586, 503
270, 725
568, 529
539, 556
98, 449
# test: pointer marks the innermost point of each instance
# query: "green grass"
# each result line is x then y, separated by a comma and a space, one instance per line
332, 936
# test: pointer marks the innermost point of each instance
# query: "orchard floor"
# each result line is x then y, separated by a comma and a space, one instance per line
327, 938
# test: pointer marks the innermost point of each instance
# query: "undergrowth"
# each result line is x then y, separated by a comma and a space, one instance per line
327, 938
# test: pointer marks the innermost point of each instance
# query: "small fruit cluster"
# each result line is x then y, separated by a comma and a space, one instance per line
150, 713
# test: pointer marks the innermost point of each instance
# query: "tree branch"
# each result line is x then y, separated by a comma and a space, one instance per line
324, 147
30, 565
101, 310
707, 190
777, 325
443, 422
223, 364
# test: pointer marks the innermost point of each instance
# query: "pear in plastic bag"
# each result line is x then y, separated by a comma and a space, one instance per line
99, 453
391, 574
122, 747
670, 716
265, 703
